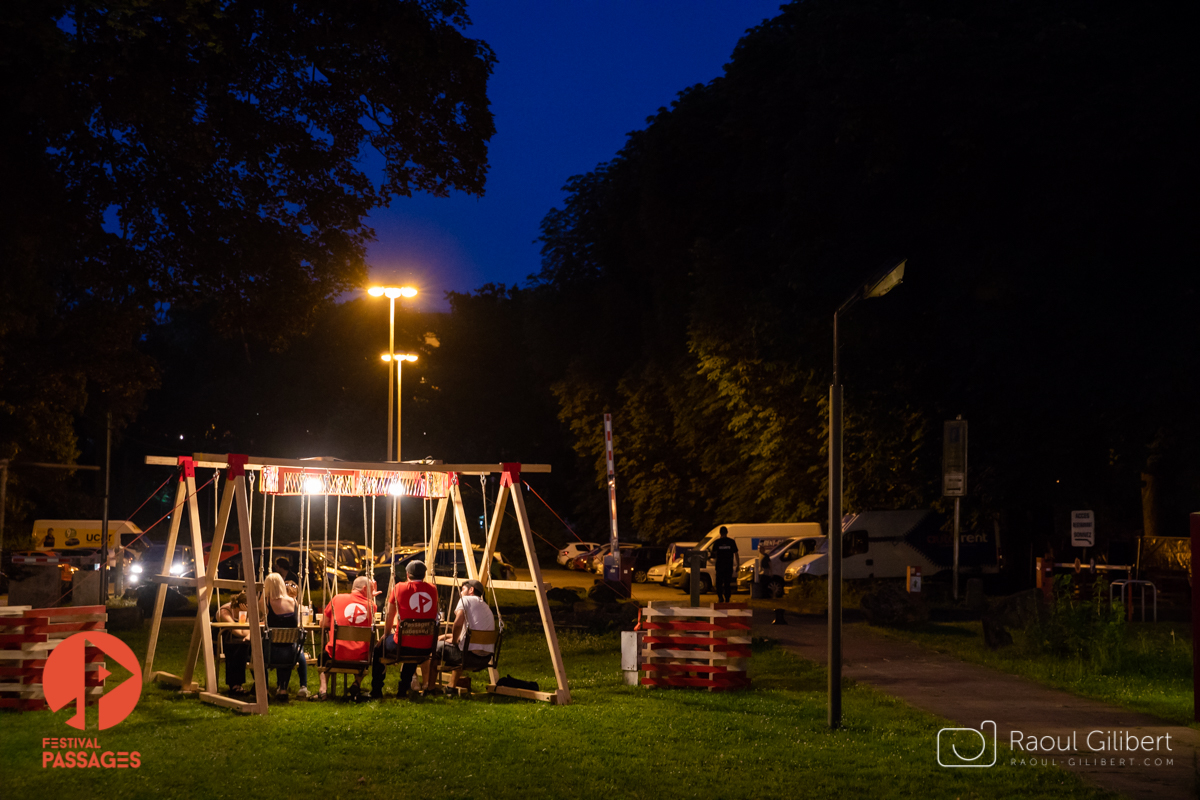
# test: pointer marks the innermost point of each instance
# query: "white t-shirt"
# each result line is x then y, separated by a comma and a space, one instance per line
479, 618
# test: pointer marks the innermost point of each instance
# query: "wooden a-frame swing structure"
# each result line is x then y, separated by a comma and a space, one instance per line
284, 476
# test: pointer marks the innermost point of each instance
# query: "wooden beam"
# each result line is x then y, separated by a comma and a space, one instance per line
165, 677
241, 503
160, 598
485, 566
535, 571
435, 535
229, 702
217, 461
547, 697
464, 533
523, 586
201, 642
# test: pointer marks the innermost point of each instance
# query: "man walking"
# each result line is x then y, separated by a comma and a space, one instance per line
725, 551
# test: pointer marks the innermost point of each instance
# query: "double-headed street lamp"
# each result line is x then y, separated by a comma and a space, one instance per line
880, 284
391, 293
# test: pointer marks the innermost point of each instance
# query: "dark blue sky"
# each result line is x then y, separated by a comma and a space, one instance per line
573, 78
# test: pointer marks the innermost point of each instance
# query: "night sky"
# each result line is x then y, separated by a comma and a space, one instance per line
572, 79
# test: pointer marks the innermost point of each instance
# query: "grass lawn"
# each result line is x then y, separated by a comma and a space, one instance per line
614, 741
1153, 673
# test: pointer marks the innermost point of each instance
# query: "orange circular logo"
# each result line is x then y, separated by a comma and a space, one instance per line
65, 677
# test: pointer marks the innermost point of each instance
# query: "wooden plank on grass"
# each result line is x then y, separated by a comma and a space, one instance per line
528, 694
228, 702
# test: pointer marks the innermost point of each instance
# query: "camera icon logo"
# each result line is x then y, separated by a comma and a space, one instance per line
949, 740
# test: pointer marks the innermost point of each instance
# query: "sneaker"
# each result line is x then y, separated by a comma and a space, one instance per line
282, 695
354, 692
303, 693
376, 694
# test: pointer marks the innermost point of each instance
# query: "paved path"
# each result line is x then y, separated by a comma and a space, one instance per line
968, 694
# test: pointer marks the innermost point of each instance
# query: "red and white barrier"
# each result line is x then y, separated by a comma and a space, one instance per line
28, 636
706, 647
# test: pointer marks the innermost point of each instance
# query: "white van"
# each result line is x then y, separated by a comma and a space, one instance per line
750, 537
780, 558
892, 541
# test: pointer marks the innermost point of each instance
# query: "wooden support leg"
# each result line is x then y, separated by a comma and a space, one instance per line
563, 693
160, 598
464, 533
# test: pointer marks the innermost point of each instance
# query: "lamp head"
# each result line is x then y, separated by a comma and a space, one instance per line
885, 281
375, 291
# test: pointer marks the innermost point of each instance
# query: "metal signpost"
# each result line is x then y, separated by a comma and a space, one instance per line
612, 561
1083, 529
954, 474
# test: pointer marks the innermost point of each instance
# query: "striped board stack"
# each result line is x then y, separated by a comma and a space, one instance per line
27, 637
707, 647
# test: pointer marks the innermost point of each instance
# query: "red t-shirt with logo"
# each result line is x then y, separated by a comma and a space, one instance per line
352, 610
415, 600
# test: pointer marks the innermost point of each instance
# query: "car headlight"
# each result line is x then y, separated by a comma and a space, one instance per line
133, 579
136, 569
176, 569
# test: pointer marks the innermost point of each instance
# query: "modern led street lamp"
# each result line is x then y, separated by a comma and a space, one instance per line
880, 284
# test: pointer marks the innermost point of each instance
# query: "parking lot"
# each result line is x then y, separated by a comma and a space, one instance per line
642, 592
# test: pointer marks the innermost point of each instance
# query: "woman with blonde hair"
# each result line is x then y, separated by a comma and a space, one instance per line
278, 603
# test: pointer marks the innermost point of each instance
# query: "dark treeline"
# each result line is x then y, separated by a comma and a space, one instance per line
1032, 160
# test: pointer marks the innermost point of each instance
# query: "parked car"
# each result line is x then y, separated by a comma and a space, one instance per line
449, 561
598, 560
782, 555
566, 556
658, 573
646, 557
749, 537
349, 557
318, 564
583, 562
676, 552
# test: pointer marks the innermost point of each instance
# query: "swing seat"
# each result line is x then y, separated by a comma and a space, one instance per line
278, 641
473, 661
336, 666
414, 628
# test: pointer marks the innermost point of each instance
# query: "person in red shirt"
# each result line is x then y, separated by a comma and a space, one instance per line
356, 609
412, 600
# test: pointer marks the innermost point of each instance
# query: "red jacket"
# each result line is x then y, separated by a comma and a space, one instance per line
415, 600
352, 610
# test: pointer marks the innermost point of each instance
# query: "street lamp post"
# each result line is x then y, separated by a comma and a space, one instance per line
391, 293
399, 359
880, 284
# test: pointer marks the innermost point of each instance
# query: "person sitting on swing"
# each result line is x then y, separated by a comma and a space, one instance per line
237, 643
356, 609
279, 604
471, 614
416, 600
